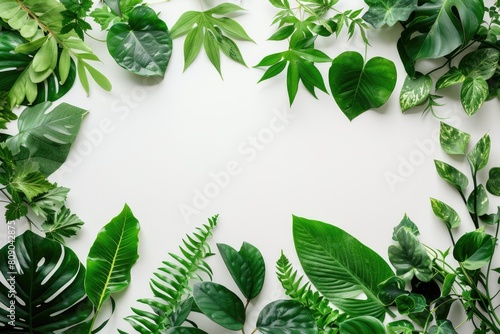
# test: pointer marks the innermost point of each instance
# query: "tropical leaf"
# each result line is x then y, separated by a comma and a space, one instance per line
388, 12
479, 155
493, 183
415, 91
362, 325
111, 258
358, 86
474, 249
341, 267
286, 317
61, 224
48, 135
452, 140
446, 213
451, 175
46, 287
143, 45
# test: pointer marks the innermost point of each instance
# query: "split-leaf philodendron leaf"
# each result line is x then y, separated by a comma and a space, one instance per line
45, 287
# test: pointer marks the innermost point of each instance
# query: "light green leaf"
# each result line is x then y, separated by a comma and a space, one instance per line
415, 91
48, 284
473, 94
479, 155
478, 201
192, 45
362, 325
481, 63
104, 17
61, 224
111, 257
451, 175
286, 317
358, 86
220, 305
143, 45
230, 49
446, 213
493, 183
388, 12
185, 23
223, 9
474, 249
292, 80
410, 257
341, 267
51, 201
453, 141
28, 180
212, 50
47, 134
452, 77
408, 224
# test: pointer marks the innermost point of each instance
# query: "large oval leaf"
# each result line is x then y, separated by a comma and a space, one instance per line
474, 249
111, 257
220, 305
286, 317
357, 86
47, 135
46, 286
341, 267
362, 325
143, 46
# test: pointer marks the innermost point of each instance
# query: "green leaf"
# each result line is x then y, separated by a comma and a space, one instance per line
111, 257
439, 27
493, 183
60, 224
212, 50
388, 11
453, 141
362, 325
29, 181
479, 155
286, 317
481, 63
400, 327
449, 280
473, 94
452, 77
49, 293
358, 86
282, 33
410, 257
451, 175
415, 91
391, 289
104, 17
446, 213
443, 327
474, 249
220, 305
478, 201
47, 134
246, 267
410, 303
143, 45
408, 224
340, 267
185, 330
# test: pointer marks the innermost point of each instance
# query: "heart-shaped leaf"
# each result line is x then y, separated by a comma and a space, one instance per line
452, 140
286, 317
479, 155
493, 183
358, 86
362, 325
474, 249
415, 91
143, 46
451, 175
478, 201
473, 94
45, 288
446, 213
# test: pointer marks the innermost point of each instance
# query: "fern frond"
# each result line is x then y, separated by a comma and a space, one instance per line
171, 284
326, 317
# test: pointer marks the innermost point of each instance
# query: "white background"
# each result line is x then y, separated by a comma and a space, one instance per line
156, 147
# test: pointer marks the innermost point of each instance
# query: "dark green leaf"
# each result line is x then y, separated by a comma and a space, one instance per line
479, 155
357, 86
481, 63
452, 140
415, 91
292, 80
388, 11
143, 46
390, 289
452, 175
410, 303
362, 325
185, 330
322, 250
271, 59
446, 213
220, 305
49, 293
111, 257
449, 280
274, 70
474, 249
444, 327
282, 33
493, 184
286, 317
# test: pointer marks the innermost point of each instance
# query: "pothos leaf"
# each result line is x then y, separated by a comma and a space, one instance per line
493, 183
473, 94
474, 249
388, 12
415, 91
143, 45
452, 140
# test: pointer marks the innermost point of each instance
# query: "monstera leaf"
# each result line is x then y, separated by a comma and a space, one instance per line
45, 291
